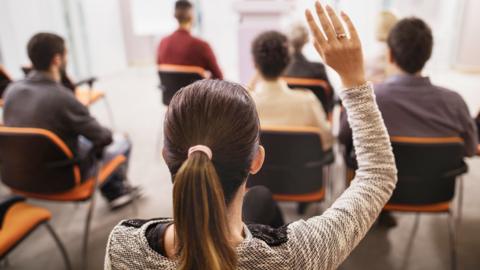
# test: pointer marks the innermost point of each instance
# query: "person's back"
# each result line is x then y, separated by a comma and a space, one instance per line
181, 48
276, 103
414, 107
411, 105
39, 102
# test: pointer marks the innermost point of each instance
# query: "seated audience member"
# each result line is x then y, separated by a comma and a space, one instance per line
5, 80
410, 104
376, 65
301, 67
276, 103
181, 48
211, 159
41, 101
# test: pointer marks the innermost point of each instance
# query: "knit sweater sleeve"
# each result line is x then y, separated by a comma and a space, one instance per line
323, 242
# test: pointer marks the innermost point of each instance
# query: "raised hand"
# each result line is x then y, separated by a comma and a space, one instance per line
340, 50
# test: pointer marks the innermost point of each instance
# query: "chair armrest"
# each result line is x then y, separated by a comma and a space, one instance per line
6, 203
95, 154
63, 163
89, 81
456, 172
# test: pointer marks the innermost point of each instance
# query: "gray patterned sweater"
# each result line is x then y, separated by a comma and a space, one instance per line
321, 242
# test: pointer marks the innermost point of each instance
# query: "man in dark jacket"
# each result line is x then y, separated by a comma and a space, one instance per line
41, 101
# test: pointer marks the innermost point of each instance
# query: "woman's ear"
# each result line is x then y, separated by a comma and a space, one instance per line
258, 160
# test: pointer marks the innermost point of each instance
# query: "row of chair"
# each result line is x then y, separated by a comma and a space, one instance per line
427, 173
174, 77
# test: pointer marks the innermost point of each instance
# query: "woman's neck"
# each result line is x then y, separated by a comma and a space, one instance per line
234, 216
235, 225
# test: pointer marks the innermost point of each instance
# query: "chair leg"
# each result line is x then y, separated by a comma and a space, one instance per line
459, 204
329, 185
60, 245
453, 241
87, 232
409, 247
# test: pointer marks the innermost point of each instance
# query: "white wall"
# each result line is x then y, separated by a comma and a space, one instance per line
103, 26
19, 20
91, 28
467, 52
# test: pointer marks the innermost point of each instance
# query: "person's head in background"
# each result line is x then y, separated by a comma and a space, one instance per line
410, 44
298, 37
208, 193
184, 14
48, 53
271, 54
386, 20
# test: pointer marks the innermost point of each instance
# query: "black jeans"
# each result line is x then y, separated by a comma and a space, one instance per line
260, 208
115, 183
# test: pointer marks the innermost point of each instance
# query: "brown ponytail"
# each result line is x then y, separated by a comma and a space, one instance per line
222, 116
200, 217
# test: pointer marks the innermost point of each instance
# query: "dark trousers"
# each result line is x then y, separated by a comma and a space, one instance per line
115, 183
260, 208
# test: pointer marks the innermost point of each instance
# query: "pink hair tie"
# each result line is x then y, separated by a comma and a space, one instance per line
202, 148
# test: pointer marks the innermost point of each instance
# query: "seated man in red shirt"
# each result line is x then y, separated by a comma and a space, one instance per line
181, 48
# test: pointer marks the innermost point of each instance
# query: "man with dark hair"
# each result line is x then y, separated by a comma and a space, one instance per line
41, 101
276, 103
181, 48
411, 105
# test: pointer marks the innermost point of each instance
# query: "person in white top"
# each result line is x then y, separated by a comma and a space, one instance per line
276, 103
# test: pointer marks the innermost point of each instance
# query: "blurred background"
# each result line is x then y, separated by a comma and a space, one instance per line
116, 41
111, 35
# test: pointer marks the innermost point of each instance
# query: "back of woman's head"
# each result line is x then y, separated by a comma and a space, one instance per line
221, 116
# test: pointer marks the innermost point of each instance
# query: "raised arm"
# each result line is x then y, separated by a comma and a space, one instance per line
323, 242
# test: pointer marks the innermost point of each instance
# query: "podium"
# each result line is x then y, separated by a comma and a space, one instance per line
255, 17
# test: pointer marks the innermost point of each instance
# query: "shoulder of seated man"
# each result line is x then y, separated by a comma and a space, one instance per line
303, 93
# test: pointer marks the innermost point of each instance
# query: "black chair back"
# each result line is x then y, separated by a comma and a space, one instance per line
174, 77
427, 169
293, 163
320, 88
36, 161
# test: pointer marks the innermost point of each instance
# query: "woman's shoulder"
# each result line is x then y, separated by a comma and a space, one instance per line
127, 241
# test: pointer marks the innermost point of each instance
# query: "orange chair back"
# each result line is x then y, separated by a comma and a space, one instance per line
319, 87
427, 169
36, 161
174, 77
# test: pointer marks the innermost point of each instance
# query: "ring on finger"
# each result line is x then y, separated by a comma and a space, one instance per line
341, 36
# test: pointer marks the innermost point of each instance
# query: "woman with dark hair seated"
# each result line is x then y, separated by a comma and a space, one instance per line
212, 145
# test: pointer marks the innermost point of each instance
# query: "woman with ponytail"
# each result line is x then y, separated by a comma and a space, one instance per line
212, 145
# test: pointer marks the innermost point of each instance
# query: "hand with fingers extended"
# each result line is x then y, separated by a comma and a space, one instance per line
340, 50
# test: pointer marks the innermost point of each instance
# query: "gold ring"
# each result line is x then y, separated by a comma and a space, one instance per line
341, 36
